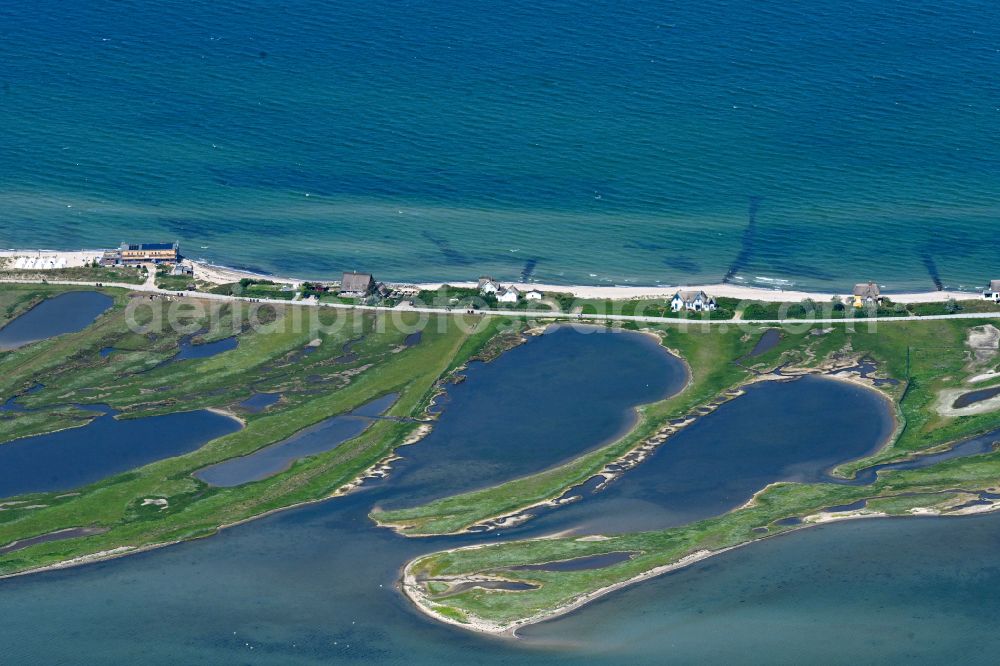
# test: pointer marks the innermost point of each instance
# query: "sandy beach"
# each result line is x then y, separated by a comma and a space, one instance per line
48, 259
718, 290
217, 274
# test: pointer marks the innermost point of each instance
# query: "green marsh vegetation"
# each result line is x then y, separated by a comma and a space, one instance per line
325, 362
119, 274
322, 362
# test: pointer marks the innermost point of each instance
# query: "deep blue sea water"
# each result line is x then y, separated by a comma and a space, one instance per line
580, 142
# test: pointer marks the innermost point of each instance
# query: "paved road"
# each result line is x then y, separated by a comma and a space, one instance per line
148, 287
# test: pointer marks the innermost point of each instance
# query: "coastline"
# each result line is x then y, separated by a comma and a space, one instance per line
219, 274
739, 292
412, 589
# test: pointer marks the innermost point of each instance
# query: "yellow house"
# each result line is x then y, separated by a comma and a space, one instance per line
866, 294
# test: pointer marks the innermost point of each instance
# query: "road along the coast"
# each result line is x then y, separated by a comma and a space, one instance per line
520, 314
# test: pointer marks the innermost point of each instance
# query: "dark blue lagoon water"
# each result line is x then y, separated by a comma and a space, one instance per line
258, 402
820, 142
778, 431
268, 461
316, 585
65, 313
554, 397
189, 350
78, 456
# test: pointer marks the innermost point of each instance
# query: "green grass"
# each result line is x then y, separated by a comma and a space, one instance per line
80, 274
174, 282
809, 309
927, 357
14, 302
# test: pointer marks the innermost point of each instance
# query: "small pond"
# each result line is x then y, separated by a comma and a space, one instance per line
258, 402
270, 460
972, 397
189, 350
66, 313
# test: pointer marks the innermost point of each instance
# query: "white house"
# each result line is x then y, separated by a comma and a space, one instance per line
508, 295
488, 285
993, 293
534, 295
692, 300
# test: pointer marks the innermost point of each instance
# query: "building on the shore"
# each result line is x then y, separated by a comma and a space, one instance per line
696, 301
182, 269
993, 293
508, 295
866, 293
149, 253
534, 295
355, 284
488, 285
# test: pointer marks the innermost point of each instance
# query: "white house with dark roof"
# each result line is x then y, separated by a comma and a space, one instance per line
993, 292
534, 295
508, 295
695, 301
488, 285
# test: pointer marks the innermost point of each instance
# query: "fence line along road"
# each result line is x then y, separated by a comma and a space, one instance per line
524, 314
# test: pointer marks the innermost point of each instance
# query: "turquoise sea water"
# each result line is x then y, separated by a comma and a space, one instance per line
577, 142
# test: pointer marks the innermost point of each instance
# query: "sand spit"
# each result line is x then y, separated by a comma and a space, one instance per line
412, 588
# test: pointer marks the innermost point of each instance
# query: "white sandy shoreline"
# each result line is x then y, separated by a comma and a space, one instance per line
221, 274
740, 292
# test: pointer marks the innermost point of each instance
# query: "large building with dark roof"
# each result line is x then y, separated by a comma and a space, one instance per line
144, 253
357, 284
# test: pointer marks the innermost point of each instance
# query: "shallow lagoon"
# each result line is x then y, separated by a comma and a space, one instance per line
75, 457
66, 313
779, 431
270, 460
316, 584
559, 394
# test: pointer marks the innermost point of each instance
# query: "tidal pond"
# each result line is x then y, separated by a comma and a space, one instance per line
77, 456
779, 431
270, 460
66, 313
